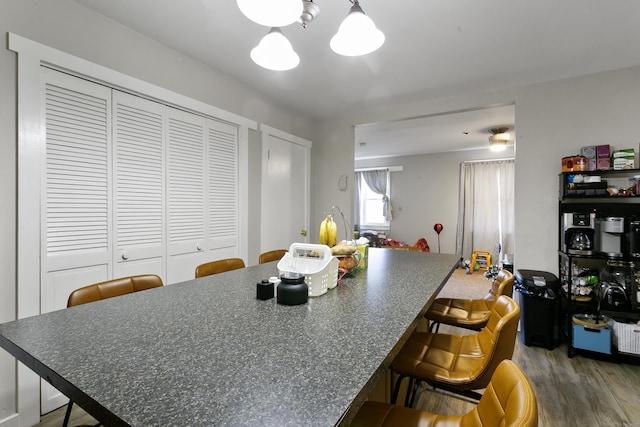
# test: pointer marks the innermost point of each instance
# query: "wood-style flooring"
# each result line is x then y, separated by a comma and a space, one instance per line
580, 392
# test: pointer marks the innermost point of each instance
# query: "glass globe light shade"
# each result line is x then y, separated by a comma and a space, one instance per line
357, 35
274, 52
272, 13
498, 142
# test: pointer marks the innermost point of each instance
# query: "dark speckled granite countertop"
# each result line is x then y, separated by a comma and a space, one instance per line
207, 352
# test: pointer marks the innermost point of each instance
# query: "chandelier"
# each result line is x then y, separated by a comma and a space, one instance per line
356, 36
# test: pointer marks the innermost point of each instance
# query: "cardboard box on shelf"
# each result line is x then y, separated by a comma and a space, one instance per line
603, 164
589, 152
624, 159
603, 151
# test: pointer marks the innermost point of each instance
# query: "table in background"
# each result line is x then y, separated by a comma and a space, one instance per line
207, 352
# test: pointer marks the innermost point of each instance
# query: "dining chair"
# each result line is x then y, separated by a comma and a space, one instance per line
274, 255
219, 266
458, 363
469, 313
509, 401
109, 289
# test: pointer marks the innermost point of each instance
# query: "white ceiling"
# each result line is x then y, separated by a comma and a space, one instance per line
433, 48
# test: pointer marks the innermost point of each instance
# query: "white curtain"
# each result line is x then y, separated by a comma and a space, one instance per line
377, 181
485, 213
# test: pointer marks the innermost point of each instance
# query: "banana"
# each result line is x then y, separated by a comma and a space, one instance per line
332, 232
328, 232
323, 231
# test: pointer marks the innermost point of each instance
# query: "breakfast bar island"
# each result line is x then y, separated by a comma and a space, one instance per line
206, 352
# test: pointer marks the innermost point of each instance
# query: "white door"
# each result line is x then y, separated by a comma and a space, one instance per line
285, 190
75, 240
186, 194
223, 194
139, 223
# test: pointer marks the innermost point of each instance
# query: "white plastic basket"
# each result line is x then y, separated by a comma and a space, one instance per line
319, 267
626, 336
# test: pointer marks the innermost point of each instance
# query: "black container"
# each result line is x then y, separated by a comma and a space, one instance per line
292, 289
265, 290
538, 307
531, 280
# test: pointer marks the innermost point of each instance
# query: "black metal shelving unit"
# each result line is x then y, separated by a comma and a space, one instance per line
602, 205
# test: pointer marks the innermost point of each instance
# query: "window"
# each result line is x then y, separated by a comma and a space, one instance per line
373, 208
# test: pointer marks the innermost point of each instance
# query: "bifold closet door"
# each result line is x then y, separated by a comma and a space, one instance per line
139, 186
187, 197
223, 235
76, 171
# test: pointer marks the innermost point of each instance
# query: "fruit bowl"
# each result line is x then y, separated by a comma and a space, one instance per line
347, 263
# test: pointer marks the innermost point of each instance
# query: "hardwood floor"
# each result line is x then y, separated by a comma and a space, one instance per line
79, 418
580, 392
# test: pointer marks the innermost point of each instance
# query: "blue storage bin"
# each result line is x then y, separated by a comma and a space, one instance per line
593, 339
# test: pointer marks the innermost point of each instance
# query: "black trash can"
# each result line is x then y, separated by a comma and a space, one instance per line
537, 292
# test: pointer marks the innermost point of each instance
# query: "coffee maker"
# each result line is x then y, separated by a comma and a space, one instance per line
610, 237
578, 232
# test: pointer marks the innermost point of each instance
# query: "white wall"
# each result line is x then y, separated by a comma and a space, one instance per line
553, 120
73, 29
426, 193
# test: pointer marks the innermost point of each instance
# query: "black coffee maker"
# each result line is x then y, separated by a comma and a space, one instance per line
578, 233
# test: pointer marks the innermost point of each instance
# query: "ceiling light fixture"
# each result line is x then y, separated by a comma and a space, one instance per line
273, 13
275, 52
310, 11
499, 138
357, 35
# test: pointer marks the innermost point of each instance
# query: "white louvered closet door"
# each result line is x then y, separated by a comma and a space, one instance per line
75, 239
186, 194
76, 243
139, 221
222, 179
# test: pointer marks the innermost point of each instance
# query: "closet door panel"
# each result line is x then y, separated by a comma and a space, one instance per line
75, 240
186, 188
222, 178
139, 221
75, 231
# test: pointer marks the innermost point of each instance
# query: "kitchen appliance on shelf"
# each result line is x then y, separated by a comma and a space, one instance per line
617, 286
578, 233
633, 237
610, 237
